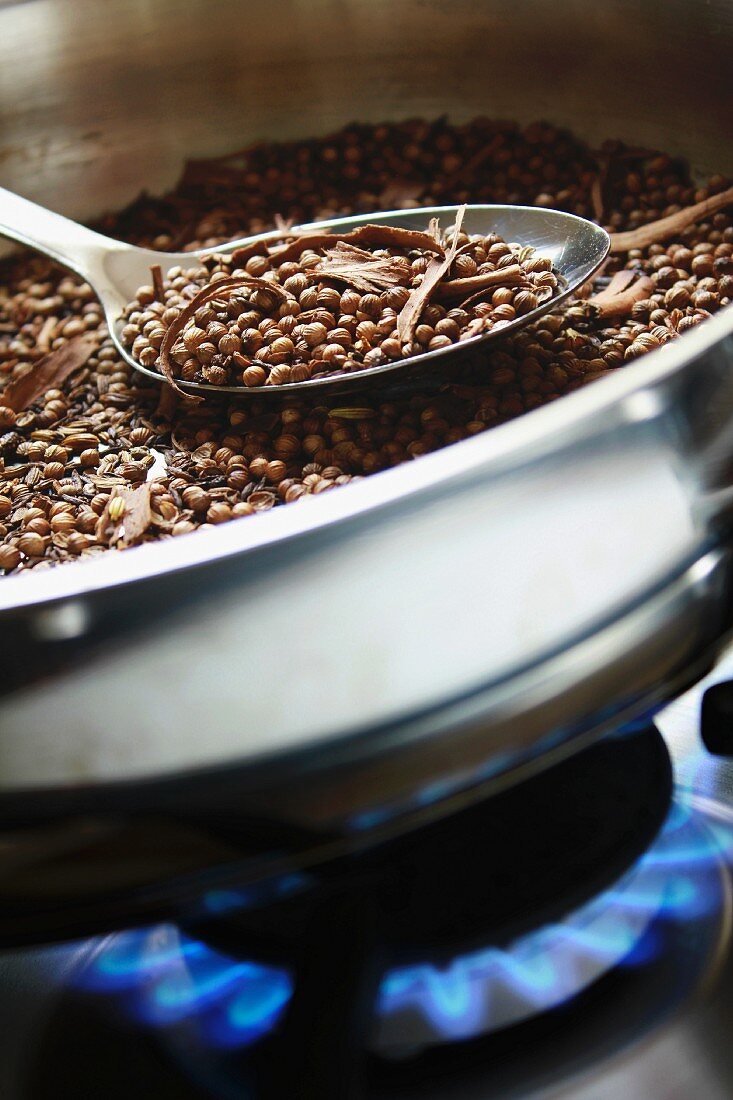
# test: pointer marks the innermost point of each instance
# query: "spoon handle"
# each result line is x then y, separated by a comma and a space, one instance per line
72, 245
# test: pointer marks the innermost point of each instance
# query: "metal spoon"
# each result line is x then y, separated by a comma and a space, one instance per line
115, 270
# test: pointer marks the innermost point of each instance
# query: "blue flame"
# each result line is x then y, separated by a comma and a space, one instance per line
257, 894
495, 987
166, 978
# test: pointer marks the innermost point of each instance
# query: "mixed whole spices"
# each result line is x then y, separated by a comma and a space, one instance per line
325, 304
94, 456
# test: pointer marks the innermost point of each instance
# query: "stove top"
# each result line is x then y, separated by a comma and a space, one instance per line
569, 938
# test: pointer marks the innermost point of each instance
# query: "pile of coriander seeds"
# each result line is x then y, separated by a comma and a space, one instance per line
104, 442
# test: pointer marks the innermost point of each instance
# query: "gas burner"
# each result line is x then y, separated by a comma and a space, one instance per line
189, 1023
170, 981
439, 952
493, 903
568, 917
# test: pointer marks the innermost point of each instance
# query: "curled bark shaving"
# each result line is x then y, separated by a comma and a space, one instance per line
211, 290
437, 269
625, 288
283, 229
240, 256
457, 289
48, 373
661, 230
156, 274
381, 236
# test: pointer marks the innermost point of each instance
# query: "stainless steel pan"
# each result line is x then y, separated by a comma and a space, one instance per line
319, 676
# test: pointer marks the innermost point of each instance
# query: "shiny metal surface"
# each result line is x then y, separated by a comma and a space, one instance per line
614, 480
115, 270
79, 857
310, 637
87, 114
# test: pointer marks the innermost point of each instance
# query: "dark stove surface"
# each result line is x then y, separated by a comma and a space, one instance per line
522, 949
486, 874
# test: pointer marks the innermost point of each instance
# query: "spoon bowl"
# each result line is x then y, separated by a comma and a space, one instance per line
115, 270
